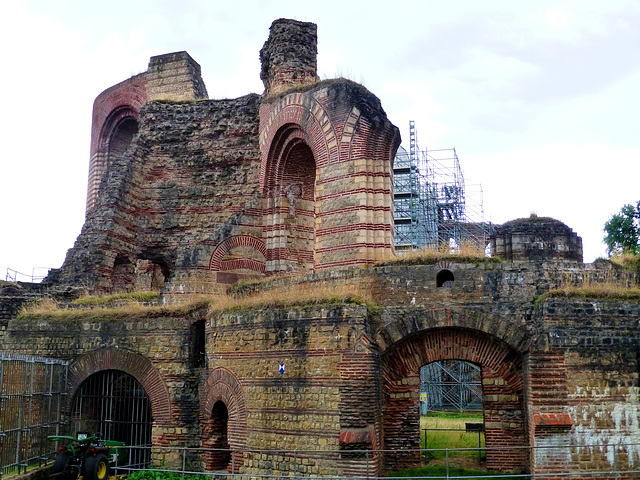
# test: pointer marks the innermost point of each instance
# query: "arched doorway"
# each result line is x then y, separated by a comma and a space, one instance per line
114, 404
217, 451
451, 413
502, 384
290, 187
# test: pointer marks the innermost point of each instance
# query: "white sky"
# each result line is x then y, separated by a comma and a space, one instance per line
541, 99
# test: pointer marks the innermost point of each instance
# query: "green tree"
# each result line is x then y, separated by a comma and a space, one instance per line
622, 231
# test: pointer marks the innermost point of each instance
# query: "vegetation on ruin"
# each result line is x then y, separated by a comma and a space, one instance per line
531, 219
283, 297
597, 292
626, 261
311, 86
467, 253
607, 284
110, 299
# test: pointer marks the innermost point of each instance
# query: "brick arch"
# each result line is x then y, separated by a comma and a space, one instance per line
111, 108
289, 173
297, 115
223, 385
135, 365
217, 264
418, 320
453, 344
503, 392
113, 120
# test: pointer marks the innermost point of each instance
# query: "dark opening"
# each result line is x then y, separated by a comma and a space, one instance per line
123, 136
218, 453
114, 404
198, 344
123, 274
444, 278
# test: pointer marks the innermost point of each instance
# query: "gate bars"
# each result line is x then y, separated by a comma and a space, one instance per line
32, 390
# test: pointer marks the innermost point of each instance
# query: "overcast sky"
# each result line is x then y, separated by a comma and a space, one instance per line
540, 99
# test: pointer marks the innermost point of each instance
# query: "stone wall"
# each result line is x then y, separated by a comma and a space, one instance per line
187, 194
535, 239
186, 184
585, 379
555, 373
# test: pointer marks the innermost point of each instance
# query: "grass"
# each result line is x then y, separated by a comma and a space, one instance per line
626, 261
465, 253
440, 471
301, 295
607, 284
450, 439
129, 296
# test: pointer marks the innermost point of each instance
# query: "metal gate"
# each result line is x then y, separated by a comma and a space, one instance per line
32, 391
114, 403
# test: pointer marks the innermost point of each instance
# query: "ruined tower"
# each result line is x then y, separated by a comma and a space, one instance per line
186, 194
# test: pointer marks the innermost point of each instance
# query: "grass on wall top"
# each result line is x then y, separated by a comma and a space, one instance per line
101, 307
467, 253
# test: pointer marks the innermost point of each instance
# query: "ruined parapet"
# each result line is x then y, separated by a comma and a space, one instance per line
174, 76
116, 111
289, 56
185, 194
536, 239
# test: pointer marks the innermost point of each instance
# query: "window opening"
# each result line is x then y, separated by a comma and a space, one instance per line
198, 344
444, 278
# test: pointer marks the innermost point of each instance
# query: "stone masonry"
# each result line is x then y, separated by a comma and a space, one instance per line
198, 193
189, 195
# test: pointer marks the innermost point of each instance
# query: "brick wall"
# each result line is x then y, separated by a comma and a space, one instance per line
560, 373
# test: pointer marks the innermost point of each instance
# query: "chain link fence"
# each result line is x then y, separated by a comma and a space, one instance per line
32, 390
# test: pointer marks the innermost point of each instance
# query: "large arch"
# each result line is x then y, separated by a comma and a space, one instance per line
135, 365
223, 386
407, 347
290, 190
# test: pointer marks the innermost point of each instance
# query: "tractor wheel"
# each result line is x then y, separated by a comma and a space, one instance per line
61, 467
96, 468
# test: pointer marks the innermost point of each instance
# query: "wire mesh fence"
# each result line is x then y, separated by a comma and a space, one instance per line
575, 462
31, 396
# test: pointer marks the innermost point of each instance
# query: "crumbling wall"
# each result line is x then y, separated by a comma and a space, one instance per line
185, 184
536, 239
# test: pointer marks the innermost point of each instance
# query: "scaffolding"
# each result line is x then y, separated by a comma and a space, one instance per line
433, 207
450, 385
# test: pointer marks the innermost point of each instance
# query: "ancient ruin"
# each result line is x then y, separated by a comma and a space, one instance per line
189, 195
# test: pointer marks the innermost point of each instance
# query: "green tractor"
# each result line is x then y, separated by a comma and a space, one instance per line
85, 454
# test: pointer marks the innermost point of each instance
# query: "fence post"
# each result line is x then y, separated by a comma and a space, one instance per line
233, 463
184, 460
446, 460
615, 461
367, 466
295, 464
